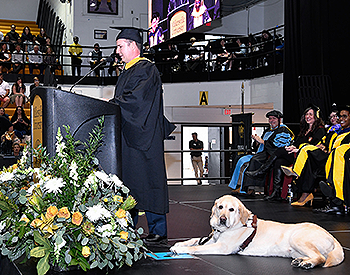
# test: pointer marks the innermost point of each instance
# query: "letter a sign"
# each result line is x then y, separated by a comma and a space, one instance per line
203, 98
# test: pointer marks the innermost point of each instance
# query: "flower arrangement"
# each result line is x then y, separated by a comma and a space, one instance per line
65, 212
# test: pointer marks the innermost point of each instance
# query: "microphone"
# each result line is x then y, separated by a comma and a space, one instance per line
103, 61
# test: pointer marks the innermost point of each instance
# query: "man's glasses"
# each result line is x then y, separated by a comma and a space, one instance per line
343, 116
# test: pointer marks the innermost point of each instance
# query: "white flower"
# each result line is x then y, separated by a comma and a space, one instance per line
73, 171
59, 246
123, 222
102, 176
116, 180
97, 212
54, 185
2, 225
6, 176
91, 181
106, 230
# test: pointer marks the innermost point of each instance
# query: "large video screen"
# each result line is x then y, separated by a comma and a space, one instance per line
170, 18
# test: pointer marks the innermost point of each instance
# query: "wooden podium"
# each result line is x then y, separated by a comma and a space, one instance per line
52, 108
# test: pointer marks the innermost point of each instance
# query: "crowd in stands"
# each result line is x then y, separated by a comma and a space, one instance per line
18, 50
316, 159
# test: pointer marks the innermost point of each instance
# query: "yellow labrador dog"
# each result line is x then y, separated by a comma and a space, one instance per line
237, 231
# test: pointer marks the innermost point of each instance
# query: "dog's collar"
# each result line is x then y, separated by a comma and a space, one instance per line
252, 223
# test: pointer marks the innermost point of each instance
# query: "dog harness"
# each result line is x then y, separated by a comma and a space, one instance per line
252, 223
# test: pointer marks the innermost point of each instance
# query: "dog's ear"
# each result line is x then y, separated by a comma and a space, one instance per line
213, 208
243, 213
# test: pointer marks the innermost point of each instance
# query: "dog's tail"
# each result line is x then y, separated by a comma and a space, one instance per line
336, 256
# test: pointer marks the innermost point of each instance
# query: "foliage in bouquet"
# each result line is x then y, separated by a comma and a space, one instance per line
66, 212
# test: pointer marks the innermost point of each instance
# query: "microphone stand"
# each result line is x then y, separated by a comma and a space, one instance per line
92, 69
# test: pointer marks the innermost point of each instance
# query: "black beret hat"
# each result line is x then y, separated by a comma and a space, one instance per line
131, 34
274, 113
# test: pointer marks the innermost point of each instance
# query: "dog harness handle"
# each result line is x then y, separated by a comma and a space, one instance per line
251, 236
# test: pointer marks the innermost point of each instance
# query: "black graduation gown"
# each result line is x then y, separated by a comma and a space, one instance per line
139, 94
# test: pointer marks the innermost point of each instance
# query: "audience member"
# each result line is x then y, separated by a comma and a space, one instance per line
4, 91
7, 42
196, 146
17, 59
13, 36
3, 113
222, 62
116, 65
18, 92
17, 150
36, 83
5, 58
35, 60
96, 58
1, 36
50, 60
41, 38
75, 50
239, 54
5, 125
27, 38
20, 122
278, 135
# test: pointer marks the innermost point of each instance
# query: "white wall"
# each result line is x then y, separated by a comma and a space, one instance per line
19, 10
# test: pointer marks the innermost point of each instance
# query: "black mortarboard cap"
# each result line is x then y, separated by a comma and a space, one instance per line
344, 108
334, 108
274, 113
315, 108
130, 33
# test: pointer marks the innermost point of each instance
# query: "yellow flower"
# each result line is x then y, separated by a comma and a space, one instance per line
51, 212
25, 219
86, 251
105, 200
88, 228
118, 198
77, 218
121, 213
63, 213
36, 223
124, 235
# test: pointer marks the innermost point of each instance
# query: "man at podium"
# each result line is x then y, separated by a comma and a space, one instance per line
144, 127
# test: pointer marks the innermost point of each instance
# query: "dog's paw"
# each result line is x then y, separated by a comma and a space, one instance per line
306, 265
296, 262
179, 249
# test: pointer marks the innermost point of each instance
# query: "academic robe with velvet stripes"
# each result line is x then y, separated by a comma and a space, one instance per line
338, 172
311, 161
139, 94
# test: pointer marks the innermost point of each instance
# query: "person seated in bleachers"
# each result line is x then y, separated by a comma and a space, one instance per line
238, 55
17, 59
36, 83
333, 124
20, 122
222, 62
17, 150
3, 113
4, 91
5, 126
96, 58
5, 59
35, 60
41, 38
311, 132
253, 52
13, 36
18, 93
278, 135
27, 38
311, 159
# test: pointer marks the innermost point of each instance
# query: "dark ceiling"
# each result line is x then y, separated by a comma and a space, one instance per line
231, 6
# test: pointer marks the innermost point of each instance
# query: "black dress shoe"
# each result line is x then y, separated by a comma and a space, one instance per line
337, 210
155, 239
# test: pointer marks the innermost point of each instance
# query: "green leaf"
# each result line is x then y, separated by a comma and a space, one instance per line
140, 230
84, 241
68, 258
43, 265
94, 264
38, 252
41, 240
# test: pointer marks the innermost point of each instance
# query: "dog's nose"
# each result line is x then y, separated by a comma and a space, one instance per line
223, 220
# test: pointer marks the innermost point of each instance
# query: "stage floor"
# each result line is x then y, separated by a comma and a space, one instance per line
190, 209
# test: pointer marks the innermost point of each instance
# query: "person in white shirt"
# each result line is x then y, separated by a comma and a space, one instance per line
17, 59
4, 91
35, 60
